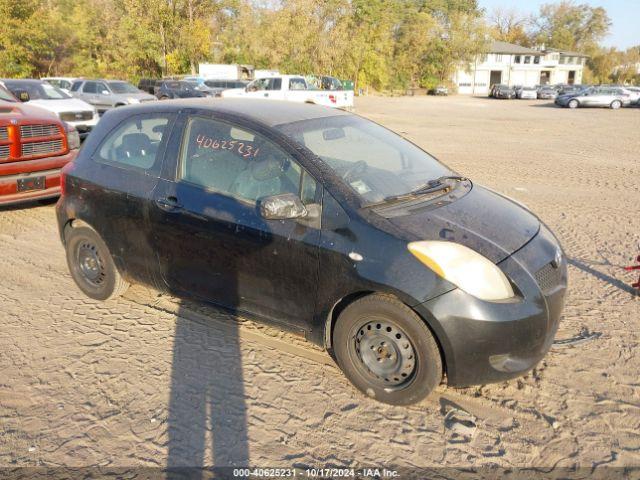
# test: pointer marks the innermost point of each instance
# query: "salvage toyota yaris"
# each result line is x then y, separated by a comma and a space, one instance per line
323, 223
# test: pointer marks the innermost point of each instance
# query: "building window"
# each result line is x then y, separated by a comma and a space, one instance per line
527, 59
536, 60
517, 59
563, 59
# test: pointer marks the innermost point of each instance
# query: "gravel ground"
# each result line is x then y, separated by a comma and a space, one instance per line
148, 381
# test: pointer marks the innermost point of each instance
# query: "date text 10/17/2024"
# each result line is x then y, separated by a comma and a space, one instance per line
366, 473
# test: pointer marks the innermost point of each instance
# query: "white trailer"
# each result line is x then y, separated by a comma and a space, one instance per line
221, 71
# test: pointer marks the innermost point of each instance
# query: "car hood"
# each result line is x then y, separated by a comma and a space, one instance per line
63, 105
233, 92
17, 110
139, 96
485, 221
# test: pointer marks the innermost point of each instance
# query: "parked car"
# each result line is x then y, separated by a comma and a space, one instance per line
34, 146
63, 83
439, 90
612, 97
149, 85
168, 89
547, 93
494, 87
108, 94
42, 94
527, 93
219, 86
504, 92
292, 88
321, 222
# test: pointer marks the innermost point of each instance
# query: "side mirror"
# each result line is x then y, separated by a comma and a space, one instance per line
22, 95
282, 207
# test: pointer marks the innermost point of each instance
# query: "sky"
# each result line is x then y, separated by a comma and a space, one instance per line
624, 15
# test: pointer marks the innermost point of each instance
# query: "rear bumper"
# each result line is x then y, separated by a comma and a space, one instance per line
45, 167
486, 342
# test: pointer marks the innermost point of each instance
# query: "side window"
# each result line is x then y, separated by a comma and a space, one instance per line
274, 84
76, 86
101, 88
135, 143
237, 162
297, 84
90, 87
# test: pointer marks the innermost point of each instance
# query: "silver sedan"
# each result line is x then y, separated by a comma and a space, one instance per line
611, 97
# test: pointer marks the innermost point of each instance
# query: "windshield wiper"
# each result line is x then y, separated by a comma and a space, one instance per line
431, 186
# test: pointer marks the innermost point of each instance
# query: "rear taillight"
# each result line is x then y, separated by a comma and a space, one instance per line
333, 98
66, 170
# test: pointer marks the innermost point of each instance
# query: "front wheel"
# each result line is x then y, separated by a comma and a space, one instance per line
616, 104
91, 265
573, 104
386, 350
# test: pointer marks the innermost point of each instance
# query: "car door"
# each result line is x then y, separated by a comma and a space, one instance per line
88, 92
210, 238
258, 88
121, 178
104, 97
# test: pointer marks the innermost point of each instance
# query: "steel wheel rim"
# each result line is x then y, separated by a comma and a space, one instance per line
90, 263
386, 353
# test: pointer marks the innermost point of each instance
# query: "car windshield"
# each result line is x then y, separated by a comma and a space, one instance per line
6, 96
38, 91
376, 163
122, 87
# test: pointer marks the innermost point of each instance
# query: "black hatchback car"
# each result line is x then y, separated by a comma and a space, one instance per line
321, 222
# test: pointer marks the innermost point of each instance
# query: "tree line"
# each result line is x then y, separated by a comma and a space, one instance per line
382, 44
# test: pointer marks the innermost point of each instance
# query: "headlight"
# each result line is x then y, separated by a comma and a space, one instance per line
465, 268
73, 137
133, 100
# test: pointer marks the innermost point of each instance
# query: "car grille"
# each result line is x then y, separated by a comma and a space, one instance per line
4, 152
31, 131
4, 135
76, 116
41, 148
548, 277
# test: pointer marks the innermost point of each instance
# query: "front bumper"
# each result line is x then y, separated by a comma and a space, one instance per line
84, 127
485, 342
49, 168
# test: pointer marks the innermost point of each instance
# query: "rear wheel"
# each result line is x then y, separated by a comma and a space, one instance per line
386, 350
91, 265
573, 104
616, 104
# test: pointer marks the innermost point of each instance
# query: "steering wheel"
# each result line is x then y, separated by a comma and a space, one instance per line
357, 168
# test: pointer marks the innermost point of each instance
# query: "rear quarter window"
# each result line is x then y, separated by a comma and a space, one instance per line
136, 143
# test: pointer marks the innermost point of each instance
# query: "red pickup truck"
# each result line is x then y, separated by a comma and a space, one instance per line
34, 146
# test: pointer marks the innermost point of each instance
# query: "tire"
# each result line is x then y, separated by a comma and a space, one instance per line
616, 104
573, 104
91, 265
378, 336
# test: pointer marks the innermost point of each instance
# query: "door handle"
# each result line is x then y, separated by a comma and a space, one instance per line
168, 204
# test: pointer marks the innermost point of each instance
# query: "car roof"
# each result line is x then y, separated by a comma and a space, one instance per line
21, 80
267, 112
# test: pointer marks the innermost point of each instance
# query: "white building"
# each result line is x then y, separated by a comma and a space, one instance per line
512, 65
